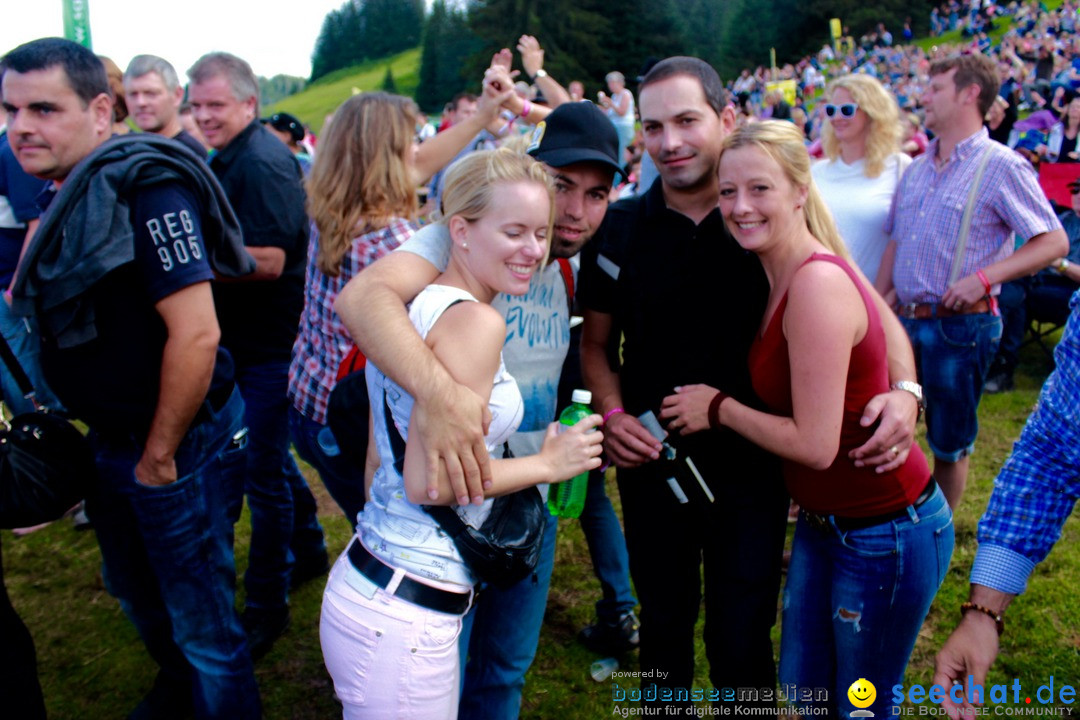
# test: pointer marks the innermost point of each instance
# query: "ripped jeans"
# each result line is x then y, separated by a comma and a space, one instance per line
855, 601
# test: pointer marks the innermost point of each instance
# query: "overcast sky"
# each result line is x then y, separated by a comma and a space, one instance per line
275, 37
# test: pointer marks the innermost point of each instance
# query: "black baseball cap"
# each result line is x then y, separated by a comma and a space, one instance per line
286, 123
576, 132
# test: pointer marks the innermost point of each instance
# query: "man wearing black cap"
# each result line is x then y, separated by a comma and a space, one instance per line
578, 145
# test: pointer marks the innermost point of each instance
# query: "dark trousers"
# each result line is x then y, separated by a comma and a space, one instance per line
738, 540
1042, 297
19, 686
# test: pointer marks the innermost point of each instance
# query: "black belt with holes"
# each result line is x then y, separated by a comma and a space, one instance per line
821, 522
414, 591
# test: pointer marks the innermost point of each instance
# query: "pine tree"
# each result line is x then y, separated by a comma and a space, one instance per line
388, 84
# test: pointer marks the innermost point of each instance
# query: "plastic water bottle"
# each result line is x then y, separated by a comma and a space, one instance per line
601, 669
567, 499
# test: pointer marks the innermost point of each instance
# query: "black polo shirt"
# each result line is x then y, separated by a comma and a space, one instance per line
263, 182
687, 300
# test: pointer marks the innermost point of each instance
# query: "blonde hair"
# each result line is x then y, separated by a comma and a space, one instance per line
470, 182
783, 142
883, 138
360, 180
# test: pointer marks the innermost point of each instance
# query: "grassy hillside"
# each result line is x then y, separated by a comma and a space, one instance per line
324, 95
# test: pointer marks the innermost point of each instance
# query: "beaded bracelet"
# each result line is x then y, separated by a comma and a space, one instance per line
998, 620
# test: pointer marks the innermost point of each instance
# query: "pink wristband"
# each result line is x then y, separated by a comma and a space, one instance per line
526, 108
609, 413
985, 280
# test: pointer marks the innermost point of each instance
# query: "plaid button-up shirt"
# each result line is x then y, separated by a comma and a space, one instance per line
929, 204
1036, 490
322, 341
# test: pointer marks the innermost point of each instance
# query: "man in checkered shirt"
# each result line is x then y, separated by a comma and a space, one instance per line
953, 323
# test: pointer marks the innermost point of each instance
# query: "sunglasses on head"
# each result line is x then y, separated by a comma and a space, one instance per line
846, 110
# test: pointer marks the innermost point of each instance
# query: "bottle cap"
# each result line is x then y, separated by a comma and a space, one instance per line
583, 397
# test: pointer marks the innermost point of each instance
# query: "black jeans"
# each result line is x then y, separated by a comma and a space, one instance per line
739, 539
18, 663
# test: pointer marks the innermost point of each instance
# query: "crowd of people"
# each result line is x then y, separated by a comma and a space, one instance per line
252, 293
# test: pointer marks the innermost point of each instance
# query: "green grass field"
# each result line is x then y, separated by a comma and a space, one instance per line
324, 95
92, 664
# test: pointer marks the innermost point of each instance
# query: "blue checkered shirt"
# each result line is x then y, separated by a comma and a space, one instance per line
1036, 490
929, 204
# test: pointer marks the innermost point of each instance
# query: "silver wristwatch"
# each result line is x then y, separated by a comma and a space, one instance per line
541, 73
914, 388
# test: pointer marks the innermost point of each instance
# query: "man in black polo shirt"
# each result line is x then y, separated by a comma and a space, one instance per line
118, 276
154, 95
687, 300
259, 319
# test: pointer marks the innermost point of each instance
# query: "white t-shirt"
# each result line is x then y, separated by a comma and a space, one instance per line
860, 205
537, 337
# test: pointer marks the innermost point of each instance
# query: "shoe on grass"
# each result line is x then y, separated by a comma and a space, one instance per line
999, 383
612, 639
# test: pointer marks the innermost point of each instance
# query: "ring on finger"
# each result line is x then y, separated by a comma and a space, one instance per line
894, 450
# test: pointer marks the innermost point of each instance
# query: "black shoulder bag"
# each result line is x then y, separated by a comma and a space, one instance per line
46, 464
506, 548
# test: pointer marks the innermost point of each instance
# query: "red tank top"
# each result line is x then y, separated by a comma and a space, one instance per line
841, 489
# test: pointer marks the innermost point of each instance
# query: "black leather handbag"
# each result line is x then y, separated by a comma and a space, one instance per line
506, 548
46, 464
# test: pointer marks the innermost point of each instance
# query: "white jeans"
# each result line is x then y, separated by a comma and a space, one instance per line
388, 657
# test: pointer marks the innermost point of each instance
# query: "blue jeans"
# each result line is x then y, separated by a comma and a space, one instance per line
855, 600
607, 548
499, 638
284, 526
168, 559
22, 336
317, 446
953, 356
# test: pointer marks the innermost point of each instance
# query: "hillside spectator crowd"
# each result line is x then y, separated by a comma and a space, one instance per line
774, 281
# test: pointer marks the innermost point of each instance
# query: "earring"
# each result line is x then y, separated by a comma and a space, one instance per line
464, 246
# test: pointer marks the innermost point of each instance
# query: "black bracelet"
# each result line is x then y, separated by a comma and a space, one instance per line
999, 621
714, 410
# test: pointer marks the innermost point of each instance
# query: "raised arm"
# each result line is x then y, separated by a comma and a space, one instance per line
436, 152
532, 59
467, 341
452, 418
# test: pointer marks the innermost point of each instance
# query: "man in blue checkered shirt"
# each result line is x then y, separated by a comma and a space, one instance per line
1033, 496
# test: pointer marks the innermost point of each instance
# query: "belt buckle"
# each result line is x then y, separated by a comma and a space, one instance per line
818, 522
907, 310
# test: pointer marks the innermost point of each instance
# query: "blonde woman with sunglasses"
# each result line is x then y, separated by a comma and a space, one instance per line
861, 139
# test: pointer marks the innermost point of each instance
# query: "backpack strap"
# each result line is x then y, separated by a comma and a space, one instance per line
567, 271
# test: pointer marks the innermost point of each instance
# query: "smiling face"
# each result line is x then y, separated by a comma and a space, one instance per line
854, 129
683, 134
581, 200
220, 116
50, 128
506, 246
154, 108
760, 205
862, 693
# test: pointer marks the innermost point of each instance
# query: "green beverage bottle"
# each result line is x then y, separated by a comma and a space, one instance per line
566, 499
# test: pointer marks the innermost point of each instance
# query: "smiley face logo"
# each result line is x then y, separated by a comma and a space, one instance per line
862, 693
